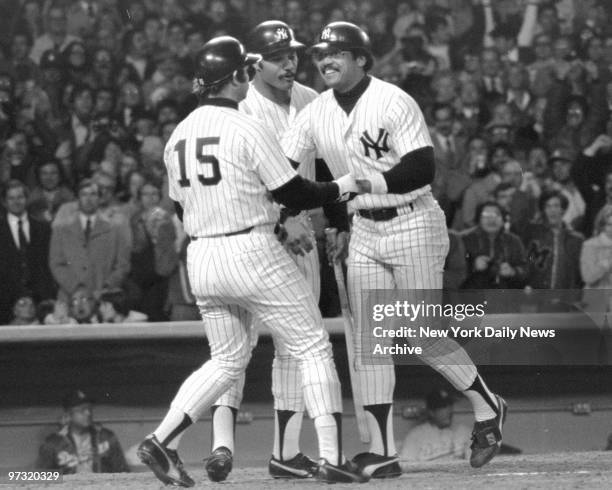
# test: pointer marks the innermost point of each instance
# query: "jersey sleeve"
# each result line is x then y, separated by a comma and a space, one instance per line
297, 142
406, 125
267, 159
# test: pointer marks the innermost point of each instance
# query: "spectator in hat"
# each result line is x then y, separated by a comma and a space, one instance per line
81, 445
436, 437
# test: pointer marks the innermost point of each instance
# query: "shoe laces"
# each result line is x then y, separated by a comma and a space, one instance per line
173, 453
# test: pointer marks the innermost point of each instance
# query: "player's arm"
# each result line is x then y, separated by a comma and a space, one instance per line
414, 170
300, 193
286, 186
410, 138
336, 213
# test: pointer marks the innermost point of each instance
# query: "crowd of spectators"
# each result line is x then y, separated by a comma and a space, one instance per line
518, 96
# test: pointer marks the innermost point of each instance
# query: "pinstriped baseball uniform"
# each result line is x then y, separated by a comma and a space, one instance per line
406, 252
221, 164
286, 379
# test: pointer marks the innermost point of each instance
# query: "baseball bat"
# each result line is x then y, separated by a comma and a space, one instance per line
347, 318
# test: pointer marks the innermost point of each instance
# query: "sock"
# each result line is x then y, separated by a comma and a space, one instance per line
174, 443
287, 428
483, 401
175, 422
223, 426
329, 433
380, 425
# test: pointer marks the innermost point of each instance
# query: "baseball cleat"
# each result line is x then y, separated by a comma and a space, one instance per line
374, 465
300, 466
219, 464
344, 473
164, 463
487, 436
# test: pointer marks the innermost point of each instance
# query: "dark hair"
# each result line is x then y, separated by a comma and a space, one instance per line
149, 180
548, 195
50, 161
83, 184
432, 22
488, 204
14, 184
80, 89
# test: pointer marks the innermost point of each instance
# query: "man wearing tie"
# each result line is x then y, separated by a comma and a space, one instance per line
24, 261
89, 250
449, 152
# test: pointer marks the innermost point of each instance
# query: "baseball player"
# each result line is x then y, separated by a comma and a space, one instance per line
222, 167
275, 98
399, 239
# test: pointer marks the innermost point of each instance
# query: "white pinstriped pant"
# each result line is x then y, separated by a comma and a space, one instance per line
286, 377
406, 252
249, 277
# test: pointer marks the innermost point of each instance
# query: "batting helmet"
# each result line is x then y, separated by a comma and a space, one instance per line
271, 36
346, 37
219, 58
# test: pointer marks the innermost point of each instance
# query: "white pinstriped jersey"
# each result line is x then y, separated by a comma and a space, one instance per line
221, 164
385, 124
278, 119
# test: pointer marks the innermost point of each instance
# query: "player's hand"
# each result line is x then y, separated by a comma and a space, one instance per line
364, 186
337, 251
481, 263
347, 186
506, 270
299, 237
374, 183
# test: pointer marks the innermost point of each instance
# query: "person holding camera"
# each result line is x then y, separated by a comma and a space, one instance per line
496, 258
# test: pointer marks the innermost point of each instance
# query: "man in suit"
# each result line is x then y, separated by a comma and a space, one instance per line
24, 266
88, 250
449, 151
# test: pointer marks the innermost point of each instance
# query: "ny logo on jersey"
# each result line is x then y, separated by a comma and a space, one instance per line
378, 146
326, 34
281, 34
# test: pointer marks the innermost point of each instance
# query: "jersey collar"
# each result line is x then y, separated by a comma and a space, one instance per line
348, 99
221, 102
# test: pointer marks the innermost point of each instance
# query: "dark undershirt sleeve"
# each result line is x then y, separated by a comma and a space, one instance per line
179, 210
301, 193
414, 170
336, 213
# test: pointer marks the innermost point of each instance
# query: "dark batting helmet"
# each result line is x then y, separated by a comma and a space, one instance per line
219, 58
346, 37
271, 36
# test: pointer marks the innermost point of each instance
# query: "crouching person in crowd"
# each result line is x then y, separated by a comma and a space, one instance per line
81, 446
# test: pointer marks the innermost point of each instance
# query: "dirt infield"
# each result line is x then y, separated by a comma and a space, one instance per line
592, 470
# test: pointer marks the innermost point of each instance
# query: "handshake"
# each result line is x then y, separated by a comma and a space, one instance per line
350, 186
